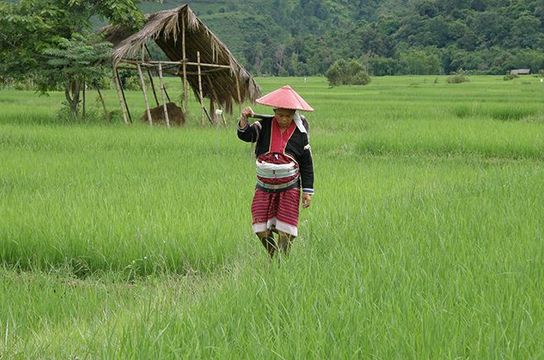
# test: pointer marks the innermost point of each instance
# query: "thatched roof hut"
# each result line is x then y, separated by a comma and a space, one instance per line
196, 54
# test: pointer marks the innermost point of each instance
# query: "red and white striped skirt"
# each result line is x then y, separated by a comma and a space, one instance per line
276, 210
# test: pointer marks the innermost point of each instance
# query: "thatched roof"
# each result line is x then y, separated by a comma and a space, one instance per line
165, 28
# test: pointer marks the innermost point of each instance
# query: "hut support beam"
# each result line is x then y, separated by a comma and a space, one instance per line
149, 73
163, 97
214, 93
201, 98
153, 86
120, 95
212, 112
84, 98
184, 57
142, 83
101, 98
238, 93
165, 62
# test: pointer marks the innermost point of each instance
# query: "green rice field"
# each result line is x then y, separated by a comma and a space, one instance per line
425, 238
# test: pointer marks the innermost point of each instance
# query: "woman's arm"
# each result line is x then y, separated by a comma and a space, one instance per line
307, 174
246, 132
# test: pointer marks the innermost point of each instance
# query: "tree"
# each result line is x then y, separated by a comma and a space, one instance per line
76, 62
39, 40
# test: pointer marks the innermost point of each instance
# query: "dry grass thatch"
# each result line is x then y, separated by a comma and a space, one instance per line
165, 28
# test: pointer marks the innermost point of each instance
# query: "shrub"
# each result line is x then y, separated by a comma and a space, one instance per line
347, 73
335, 72
509, 77
457, 78
361, 78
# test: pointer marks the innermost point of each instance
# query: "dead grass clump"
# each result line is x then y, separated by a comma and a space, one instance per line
175, 115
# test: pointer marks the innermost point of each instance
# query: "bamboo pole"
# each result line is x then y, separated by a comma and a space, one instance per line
142, 83
238, 93
184, 57
215, 96
106, 113
163, 97
167, 96
144, 47
181, 62
120, 95
153, 86
178, 63
201, 98
212, 111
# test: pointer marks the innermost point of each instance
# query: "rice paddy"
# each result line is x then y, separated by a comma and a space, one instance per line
424, 239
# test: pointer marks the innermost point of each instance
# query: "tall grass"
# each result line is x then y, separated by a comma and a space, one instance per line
424, 239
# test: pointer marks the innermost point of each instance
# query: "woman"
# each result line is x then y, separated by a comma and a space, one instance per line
284, 166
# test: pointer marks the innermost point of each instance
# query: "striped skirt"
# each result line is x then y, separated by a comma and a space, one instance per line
276, 210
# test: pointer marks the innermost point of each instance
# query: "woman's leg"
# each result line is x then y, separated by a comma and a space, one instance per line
267, 239
284, 241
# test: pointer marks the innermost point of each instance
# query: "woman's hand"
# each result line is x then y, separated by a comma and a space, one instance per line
306, 200
247, 112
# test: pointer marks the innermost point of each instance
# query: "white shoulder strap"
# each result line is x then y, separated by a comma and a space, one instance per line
298, 122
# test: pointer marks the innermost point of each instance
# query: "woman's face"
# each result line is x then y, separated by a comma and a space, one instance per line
284, 117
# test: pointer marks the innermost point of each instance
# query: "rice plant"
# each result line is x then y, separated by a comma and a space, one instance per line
424, 239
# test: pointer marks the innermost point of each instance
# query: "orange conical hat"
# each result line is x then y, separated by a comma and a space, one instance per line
285, 98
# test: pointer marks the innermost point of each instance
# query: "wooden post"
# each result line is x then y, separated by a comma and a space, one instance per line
210, 84
212, 111
106, 113
163, 98
120, 95
238, 91
201, 97
84, 98
185, 84
142, 83
149, 72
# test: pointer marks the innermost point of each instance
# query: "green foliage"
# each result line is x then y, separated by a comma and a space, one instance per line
344, 72
360, 78
510, 77
118, 12
305, 37
43, 41
80, 57
31, 26
380, 65
459, 77
420, 61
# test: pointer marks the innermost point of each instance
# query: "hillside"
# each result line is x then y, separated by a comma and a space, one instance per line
303, 37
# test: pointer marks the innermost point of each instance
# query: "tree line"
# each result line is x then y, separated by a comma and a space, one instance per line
305, 37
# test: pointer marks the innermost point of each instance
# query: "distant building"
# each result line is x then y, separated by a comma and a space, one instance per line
520, 72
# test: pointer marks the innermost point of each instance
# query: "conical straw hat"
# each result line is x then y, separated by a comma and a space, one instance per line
285, 98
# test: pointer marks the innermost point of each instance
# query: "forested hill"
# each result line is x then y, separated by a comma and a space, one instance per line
303, 37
